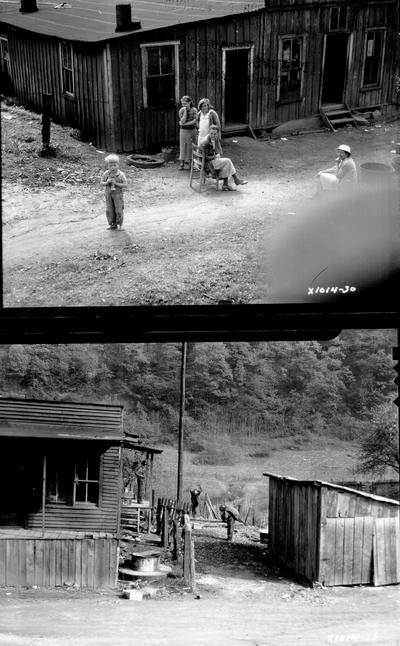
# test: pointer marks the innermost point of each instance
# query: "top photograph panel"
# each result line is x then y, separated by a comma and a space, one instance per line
198, 152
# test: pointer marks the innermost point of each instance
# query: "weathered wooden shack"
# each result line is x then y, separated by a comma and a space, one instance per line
332, 534
60, 489
118, 76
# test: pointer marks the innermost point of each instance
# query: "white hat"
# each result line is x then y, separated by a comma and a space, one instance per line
345, 148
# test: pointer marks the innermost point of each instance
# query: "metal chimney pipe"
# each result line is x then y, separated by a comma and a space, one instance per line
28, 6
123, 17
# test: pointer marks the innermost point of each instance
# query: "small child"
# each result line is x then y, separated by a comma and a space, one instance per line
115, 181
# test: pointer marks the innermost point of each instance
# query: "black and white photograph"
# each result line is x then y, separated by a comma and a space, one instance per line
199, 322
200, 493
198, 152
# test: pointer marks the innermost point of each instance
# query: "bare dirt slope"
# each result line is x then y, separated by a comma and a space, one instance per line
177, 246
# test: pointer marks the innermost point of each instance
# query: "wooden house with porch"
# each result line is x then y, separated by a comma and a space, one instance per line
116, 72
60, 492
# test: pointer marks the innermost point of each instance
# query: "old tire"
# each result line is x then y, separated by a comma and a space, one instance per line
144, 161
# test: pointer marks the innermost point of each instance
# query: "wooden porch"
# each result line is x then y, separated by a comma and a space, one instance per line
57, 558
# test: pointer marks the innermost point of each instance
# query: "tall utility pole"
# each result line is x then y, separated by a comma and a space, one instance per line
181, 414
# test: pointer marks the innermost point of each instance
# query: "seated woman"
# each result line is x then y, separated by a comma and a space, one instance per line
213, 150
343, 173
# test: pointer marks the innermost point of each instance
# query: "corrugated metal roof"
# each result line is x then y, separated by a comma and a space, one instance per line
94, 20
47, 419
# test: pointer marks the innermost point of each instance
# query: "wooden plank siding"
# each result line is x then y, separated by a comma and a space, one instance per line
386, 551
47, 562
332, 535
293, 526
87, 517
108, 104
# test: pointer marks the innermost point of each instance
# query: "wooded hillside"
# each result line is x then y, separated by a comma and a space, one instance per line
240, 389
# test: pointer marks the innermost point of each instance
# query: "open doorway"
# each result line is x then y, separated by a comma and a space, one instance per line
334, 72
237, 76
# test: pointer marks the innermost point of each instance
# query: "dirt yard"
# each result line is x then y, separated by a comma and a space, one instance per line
176, 246
241, 598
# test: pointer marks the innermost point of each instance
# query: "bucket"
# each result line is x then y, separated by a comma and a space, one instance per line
169, 153
145, 562
376, 174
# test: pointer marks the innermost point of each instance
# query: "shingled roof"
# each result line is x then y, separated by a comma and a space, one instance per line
95, 20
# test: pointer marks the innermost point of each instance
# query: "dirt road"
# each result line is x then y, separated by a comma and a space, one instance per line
243, 613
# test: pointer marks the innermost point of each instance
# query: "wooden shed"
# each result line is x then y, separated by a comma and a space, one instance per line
333, 534
60, 488
118, 75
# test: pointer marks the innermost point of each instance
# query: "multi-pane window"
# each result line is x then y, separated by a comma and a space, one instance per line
86, 481
338, 18
72, 480
290, 69
373, 57
160, 74
67, 68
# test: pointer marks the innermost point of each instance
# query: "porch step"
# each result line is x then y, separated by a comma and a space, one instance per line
337, 117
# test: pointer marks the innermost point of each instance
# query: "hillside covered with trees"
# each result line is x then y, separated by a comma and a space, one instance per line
236, 390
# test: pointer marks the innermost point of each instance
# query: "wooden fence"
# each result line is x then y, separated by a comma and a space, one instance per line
49, 562
174, 528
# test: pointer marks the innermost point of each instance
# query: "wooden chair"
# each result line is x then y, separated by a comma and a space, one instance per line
198, 165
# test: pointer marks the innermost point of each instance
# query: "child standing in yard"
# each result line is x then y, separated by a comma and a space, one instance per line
114, 181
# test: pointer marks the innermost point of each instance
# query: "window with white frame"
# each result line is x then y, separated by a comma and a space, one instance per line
338, 18
86, 481
160, 73
290, 68
4, 55
67, 68
73, 481
373, 57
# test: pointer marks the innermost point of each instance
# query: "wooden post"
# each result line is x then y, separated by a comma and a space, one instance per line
46, 122
147, 487
151, 476
181, 414
165, 528
396, 357
176, 550
188, 554
158, 516
44, 496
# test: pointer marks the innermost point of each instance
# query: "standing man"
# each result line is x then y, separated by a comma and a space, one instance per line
140, 473
229, 515
194, 496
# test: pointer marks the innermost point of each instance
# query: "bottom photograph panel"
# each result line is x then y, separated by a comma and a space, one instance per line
238, 475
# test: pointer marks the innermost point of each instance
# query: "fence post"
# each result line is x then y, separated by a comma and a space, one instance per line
176, 535
165, 528
47, 149
158, 516
188, 554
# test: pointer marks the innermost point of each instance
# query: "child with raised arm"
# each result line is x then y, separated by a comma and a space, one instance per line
114, 181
